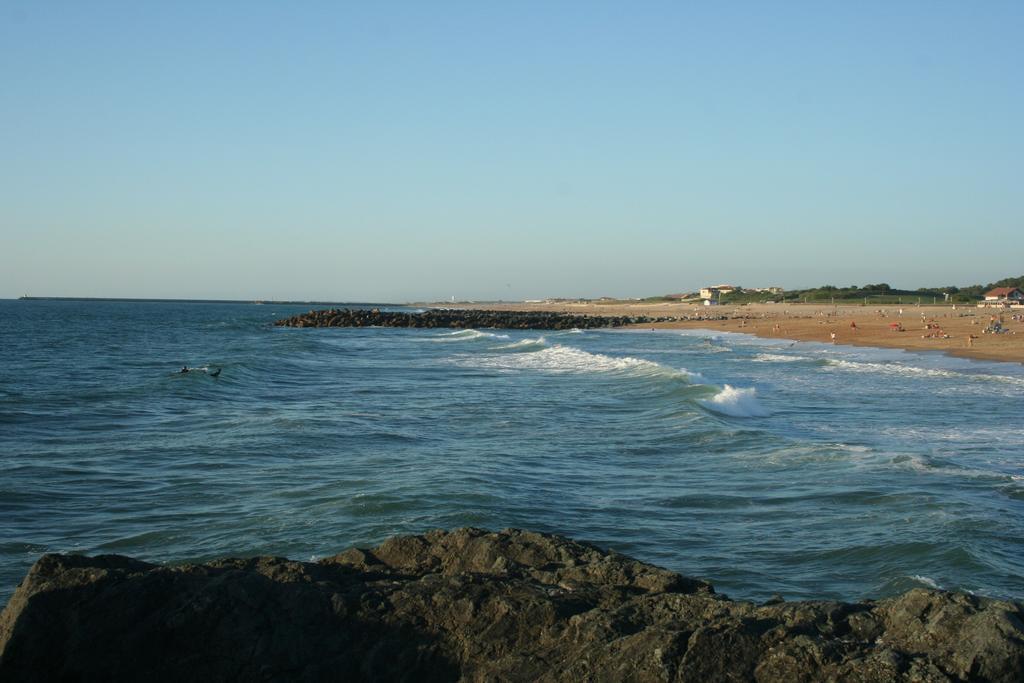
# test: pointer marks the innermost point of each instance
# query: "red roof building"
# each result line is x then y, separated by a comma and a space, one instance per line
1004, 294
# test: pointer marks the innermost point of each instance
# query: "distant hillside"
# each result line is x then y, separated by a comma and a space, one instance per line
877, 293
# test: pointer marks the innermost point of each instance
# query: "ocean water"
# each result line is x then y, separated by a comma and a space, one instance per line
764, 466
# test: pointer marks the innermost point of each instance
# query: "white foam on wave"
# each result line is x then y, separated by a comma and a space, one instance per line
777, 358
467, 335
735, 402
931, 583
691, 375
915, 371
558, 358
888, 368
522, 344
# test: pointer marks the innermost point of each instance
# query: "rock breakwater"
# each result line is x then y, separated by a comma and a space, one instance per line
458, 318
474, 605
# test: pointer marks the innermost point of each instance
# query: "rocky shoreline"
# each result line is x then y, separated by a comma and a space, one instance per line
474, 605
462, 319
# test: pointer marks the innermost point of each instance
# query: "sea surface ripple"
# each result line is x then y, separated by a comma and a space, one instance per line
764, 466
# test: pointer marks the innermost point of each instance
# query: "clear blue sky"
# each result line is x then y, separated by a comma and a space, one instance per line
399, 151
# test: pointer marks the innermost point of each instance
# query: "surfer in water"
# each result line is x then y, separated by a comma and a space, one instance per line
186, 369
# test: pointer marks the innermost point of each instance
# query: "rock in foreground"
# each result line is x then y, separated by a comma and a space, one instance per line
475, 606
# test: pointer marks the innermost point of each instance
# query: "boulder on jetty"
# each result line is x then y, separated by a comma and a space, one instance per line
474, 605
464, 319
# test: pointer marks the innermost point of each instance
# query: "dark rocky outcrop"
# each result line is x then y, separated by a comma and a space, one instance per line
462, 319
475, 606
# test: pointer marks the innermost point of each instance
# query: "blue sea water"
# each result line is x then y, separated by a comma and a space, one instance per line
764, 466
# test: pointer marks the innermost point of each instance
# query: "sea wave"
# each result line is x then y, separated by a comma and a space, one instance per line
925, 580
522, 345
467, 335
559, 358
889, 368
915, 371
735, 402
990, 435
778, 358
1008, 482
711, 348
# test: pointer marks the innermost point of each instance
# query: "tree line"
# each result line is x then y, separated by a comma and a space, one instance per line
877, 292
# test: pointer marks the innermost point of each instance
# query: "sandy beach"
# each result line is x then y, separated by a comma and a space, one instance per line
959, 331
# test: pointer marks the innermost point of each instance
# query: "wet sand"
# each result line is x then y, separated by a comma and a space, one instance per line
958, 331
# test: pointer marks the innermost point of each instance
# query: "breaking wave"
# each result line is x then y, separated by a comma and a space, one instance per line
735, 402
558, 358
523, 345
925, 581
467, 335
913, 371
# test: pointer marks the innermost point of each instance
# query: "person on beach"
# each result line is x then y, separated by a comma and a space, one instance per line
833, 337
853, 325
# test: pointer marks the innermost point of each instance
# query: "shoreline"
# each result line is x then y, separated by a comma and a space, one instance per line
957, 331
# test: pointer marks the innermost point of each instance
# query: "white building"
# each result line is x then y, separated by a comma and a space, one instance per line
1003, 296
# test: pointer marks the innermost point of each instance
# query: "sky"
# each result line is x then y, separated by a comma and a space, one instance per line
401, 151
